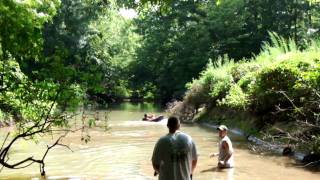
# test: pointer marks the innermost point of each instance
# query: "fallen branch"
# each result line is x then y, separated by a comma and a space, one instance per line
292, 103
309, 164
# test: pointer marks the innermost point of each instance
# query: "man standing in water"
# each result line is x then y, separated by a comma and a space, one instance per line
174, 155
225, 155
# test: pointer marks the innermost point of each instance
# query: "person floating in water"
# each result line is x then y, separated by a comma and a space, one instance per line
225, 155
152, 118
148, 117
175, 154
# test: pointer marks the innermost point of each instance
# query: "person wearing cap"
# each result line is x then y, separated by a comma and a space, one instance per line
225, 155
175, 154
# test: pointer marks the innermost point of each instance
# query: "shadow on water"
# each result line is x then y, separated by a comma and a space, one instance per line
212, 169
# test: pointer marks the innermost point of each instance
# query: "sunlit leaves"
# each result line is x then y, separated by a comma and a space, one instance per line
21, 23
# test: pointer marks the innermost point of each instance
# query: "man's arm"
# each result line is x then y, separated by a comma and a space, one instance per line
156, 158
194, 158
194, 164
226, 147
156, 167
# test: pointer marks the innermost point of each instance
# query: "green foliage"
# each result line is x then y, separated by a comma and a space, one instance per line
227, 27
284, 72
67, 45
28, 102
174, 48
53, 53
21, 41
87, 43
235, 99
114, 48
91, 123
241, 69
21, 25
47, 66
197, 94
258, 85
212, 84
314, 146
281, 84
269, 82
179, 37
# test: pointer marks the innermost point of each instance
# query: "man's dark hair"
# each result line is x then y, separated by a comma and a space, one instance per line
173, 123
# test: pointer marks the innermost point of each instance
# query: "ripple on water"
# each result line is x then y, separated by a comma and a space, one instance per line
140, 123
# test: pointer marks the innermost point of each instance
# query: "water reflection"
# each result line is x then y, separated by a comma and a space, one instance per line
137, 107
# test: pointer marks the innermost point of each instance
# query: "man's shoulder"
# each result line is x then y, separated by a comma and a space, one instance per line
182, 134
184, 137
226, 139
164, 138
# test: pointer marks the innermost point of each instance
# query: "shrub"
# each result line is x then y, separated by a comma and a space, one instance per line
219, 78
312, 77
247, 81
282, 76
197, 94
221, 85
239, 70
314, 145
236, 98
213, 83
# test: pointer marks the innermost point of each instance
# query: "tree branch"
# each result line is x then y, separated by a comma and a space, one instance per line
5, 140
31, 160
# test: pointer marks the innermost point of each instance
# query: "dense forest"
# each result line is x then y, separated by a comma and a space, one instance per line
57, 55
151, 56
178, 41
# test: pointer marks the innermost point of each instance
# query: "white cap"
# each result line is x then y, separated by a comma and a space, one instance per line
222, 128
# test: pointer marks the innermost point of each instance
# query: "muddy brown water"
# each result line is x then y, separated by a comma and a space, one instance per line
124, 152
